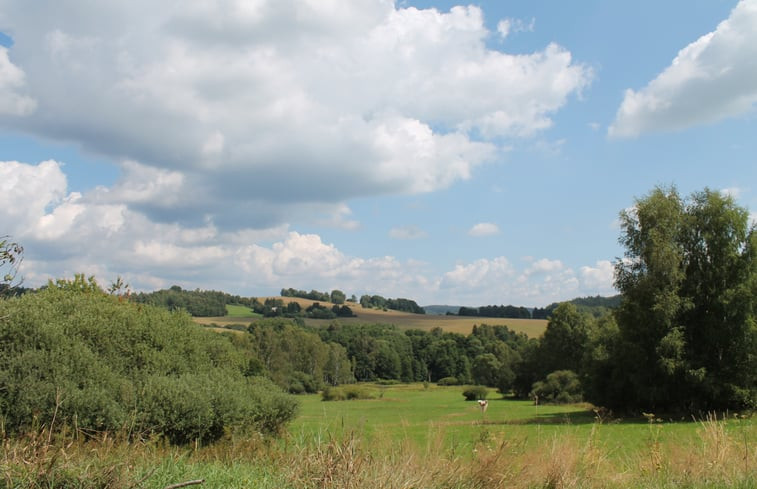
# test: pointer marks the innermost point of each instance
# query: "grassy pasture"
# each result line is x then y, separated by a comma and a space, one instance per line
463, 325
239, 311
407, 437
421, 415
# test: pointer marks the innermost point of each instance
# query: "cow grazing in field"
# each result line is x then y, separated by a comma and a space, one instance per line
483, 404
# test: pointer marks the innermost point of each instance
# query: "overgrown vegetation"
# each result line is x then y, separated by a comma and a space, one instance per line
199, 303
71, 355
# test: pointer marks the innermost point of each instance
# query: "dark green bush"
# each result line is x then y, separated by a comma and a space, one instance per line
448, 381
72, 354
560, 387
388, 382
347, 393
475, 393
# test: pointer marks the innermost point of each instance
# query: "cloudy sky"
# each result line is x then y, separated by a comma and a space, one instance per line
443, 152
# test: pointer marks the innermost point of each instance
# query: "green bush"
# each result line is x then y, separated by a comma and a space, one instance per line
475, 393
388, 382
560, 387
448, 381
74, 355
346, 393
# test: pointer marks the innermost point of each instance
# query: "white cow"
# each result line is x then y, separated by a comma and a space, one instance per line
483, 404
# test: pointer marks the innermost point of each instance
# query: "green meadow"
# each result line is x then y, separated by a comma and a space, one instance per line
239, 311
409, 436
425, 416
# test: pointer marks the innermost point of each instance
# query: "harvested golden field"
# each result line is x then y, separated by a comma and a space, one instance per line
456, 324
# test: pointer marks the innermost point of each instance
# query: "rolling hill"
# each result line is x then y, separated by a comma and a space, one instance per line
463, 325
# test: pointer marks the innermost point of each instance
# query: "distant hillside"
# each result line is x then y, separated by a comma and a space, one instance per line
441, 310
594, 305
403, 320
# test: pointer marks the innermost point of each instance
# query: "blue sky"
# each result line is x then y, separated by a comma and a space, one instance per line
439, 151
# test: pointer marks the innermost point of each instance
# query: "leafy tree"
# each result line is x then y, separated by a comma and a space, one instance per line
485, 370
200, 303
560, 387
400, 304
565, 339
687, 332
338, 297
476, 392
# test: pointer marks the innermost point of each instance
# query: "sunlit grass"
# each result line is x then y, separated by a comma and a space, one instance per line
410, 436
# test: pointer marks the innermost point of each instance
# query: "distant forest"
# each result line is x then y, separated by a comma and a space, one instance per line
597, 306
211, 303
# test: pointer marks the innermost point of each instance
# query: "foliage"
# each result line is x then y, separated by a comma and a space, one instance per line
475, 393
400, 304
199, 303
689, 285
297, 359
563, 346
495, 312
312, 295
338, 297
596, 306
347, 393
448, 381
72, 355
560, 387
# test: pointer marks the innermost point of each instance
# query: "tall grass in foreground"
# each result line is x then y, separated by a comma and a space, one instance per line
723, 454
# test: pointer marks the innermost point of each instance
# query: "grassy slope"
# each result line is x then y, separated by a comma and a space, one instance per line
531, 327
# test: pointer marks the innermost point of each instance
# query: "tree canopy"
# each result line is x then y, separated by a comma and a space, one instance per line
687, 331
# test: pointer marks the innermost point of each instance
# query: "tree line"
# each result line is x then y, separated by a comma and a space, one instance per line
198, 303
335, 296
682, 338
399, 304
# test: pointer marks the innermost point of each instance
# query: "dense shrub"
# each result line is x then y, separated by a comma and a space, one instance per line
74, 355
302, 383
560, 387
475, 393
448, 381
347, 393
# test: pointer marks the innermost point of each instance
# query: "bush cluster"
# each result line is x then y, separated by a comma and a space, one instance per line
448, 381
70, 354
475, 393
560, 387
346, 393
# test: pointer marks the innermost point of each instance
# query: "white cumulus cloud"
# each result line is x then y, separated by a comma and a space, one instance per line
713, 78
12, 80
273, 106
598, 278
68, 232
483, 229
